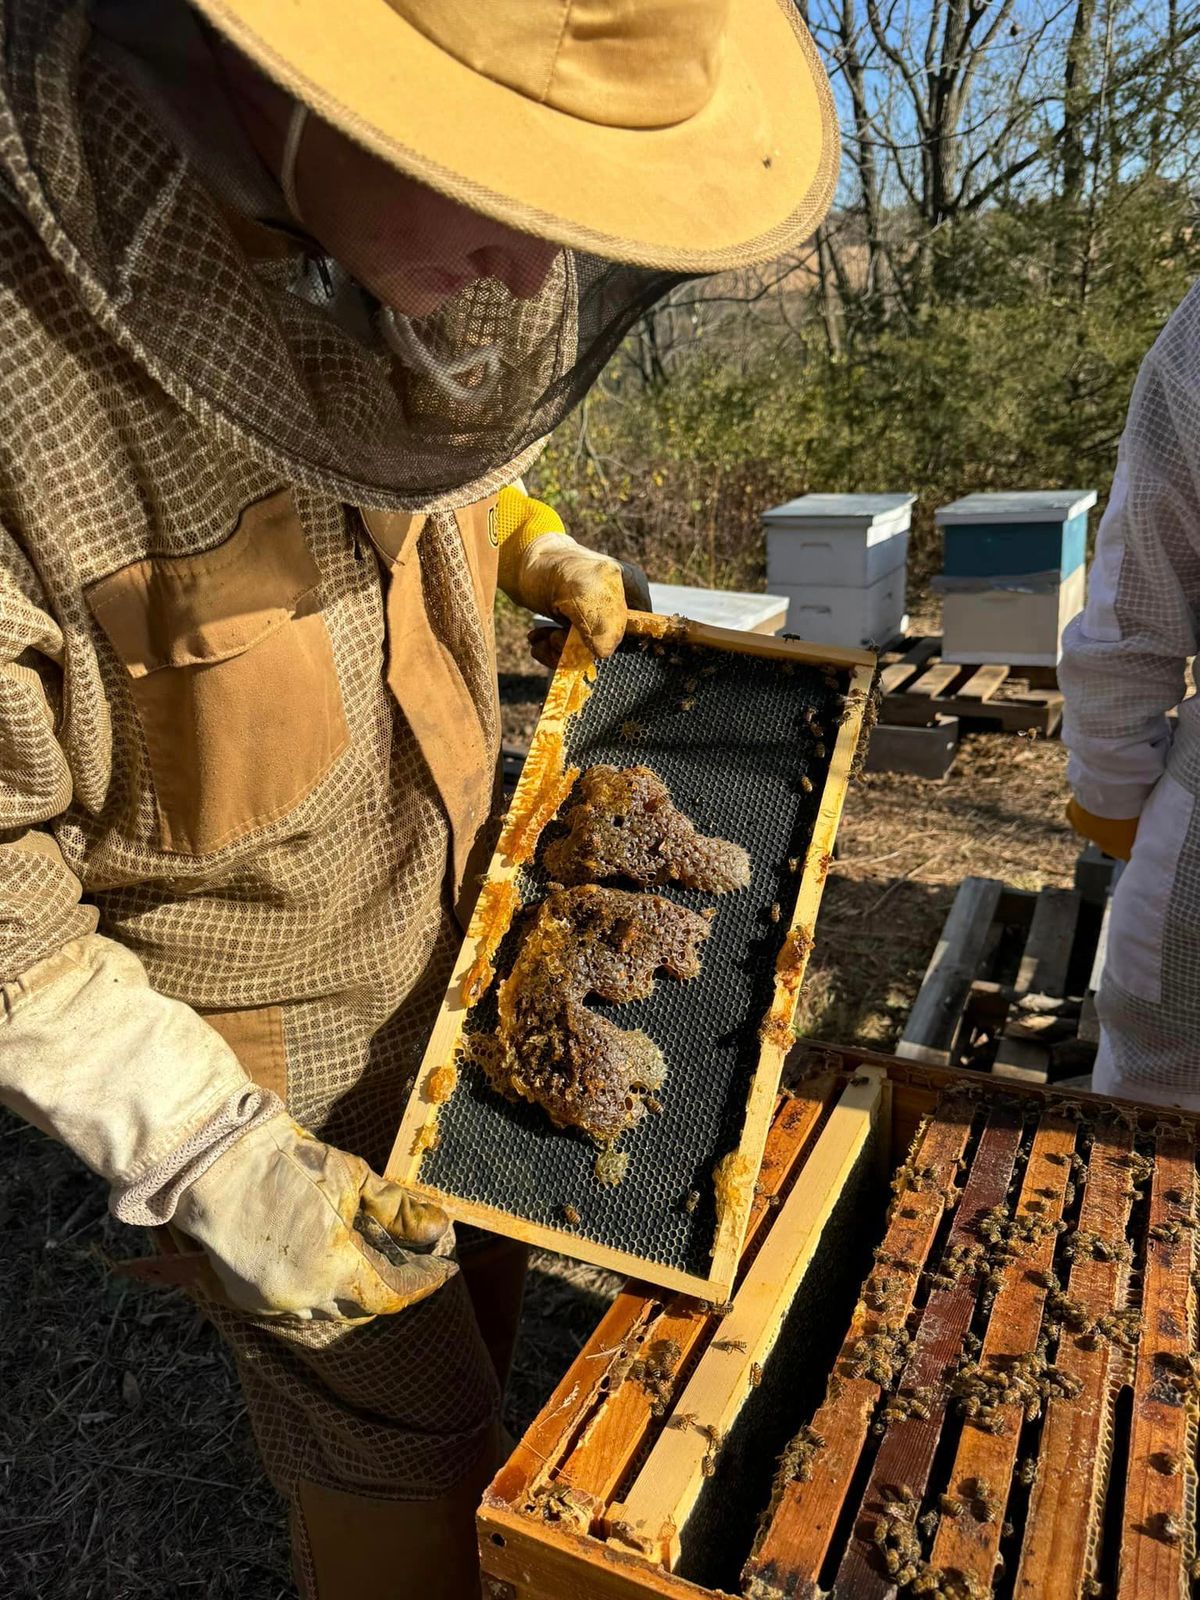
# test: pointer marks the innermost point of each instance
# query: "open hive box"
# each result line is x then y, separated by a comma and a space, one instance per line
959, 1362
754, 737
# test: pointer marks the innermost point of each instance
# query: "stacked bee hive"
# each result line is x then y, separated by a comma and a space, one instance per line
960, 1361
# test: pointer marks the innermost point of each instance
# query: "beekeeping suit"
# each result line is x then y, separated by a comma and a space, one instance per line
256, 496
1134, 783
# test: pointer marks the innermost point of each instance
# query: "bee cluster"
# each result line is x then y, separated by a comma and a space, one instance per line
796, 1462
908, 1401
655, 1370
1176, 1379
558, 1503
985, 1394
879, 1356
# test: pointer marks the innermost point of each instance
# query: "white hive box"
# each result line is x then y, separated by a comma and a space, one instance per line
842, 561
1014, 574
830, 614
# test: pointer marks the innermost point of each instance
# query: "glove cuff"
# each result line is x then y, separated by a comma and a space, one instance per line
150, 1200
1113, 835
520, 522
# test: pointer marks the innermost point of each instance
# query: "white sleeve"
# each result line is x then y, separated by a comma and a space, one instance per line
138, 1085
1125, 656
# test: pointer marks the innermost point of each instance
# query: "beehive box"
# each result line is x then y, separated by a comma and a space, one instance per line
755, 737
1013, 574
841, 559
960, 1361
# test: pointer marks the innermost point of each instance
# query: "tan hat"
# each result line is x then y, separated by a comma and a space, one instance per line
690, 135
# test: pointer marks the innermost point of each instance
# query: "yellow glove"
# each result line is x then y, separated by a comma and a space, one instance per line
544, 570
276, 1213
1114, 835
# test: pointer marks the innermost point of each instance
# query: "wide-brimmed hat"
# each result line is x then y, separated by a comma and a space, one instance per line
690, 135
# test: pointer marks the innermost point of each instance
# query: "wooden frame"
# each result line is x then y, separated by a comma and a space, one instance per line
671, 1477
544, 784
592, 1503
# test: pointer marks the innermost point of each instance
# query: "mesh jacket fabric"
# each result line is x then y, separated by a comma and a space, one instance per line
334, 909
259, 352
1124, 667
397, 1409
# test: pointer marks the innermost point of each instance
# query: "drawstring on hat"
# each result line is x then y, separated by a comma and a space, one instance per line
403, 342
291, 150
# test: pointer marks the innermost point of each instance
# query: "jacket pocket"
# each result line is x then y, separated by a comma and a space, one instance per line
232, 675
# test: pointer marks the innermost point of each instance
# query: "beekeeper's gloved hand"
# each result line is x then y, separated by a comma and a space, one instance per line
1114, 835
544, 570
151, 1097
276, 1214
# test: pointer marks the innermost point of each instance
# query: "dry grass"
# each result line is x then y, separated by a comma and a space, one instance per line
127, 1469
125, 1459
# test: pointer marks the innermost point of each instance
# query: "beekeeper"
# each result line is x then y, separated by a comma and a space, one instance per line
1134, 786
292, 289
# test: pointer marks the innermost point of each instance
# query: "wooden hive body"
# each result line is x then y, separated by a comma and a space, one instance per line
999, 1402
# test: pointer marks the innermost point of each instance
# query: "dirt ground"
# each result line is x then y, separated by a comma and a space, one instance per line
126, 1466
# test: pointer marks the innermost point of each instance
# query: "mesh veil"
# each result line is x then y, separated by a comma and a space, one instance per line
277, 347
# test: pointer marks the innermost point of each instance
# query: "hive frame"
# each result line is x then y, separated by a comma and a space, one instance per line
536, 1557
537, 797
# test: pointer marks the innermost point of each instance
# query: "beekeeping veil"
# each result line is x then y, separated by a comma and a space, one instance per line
648, 141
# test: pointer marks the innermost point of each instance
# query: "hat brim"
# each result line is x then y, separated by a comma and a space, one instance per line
744, 181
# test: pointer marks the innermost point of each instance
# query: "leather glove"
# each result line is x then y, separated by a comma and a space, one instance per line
276, 1214
1114, 835
151, 1097
543, 569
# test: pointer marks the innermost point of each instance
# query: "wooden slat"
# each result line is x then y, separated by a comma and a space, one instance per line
900, 669
909, 1445
522, 1560
1089, 1021
1034, 712
795, 1544
662, 1495
983, 683
935, 680
934, 1018
777, 1033
1043, 971
968, 1544
1047, 953
1065, 1501
577, 1393
1155, 1531
604, 1451
897, 675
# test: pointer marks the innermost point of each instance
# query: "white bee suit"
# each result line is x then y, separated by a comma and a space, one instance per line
1124, 669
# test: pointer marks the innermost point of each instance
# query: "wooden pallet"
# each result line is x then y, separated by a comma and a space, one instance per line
1001, 1404
1007, 984
918, 687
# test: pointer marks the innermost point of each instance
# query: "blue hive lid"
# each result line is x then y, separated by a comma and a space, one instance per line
1016, 506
